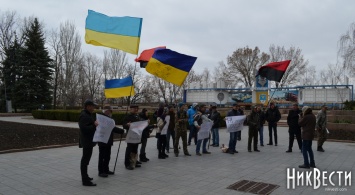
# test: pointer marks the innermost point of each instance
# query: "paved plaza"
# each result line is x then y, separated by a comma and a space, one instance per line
57, 170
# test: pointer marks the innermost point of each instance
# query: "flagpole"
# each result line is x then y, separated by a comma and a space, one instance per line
128, 104
119, 146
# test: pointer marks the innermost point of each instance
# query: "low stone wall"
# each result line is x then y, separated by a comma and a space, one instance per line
20, 136
341, 131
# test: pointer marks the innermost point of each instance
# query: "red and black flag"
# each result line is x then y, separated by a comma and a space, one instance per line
274, 71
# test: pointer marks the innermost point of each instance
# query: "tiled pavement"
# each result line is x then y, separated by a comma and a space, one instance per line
56, 171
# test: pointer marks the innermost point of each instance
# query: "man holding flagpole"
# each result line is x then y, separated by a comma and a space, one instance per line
105, 148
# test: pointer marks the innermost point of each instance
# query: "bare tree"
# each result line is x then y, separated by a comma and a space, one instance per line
243, 63
333, 75
310, 76
56, 53
92, 73
347, 48
115, 64
7, 30
71, 47
296, 68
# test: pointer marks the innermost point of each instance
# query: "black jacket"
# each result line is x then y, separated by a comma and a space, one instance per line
134, 118
215, 117
130, 118
233, 112
253, 120
110, 140
273, 115
262, 117
292, 119
87, 129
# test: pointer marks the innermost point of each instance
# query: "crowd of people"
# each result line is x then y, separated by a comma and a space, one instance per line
174, 122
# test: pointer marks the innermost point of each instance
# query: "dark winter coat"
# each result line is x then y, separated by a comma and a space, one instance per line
171, 126
273, 115
235, 112
292, 119
87, 129
308, 124
130, 118
253, 120
216, 118
262, 118
110, 140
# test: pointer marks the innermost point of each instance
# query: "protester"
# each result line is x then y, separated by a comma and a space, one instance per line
171, 128
145, 135
321, 127
159, 114
199, 118
307, 121
253, 121
87, 127
181, 130
294, 128
193, 131
163, 124
131, 156
272, 116
215, 116
236, 111
105, 148
262, 122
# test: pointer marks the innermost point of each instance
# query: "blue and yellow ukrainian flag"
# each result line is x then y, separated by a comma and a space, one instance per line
116, 88
121, 33
170, 65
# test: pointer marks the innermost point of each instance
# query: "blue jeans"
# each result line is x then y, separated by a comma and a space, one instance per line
233, 140
272, 126
215, 136
261, 134
193, 133
307, 150
198, 146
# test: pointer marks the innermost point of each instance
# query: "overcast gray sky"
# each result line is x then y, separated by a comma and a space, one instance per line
212, 30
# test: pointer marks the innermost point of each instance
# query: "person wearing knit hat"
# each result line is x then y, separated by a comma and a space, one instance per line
307, 121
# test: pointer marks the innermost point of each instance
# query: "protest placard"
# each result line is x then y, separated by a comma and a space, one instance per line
235, 123
204, 131
104, 129
164, 131
134, 134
